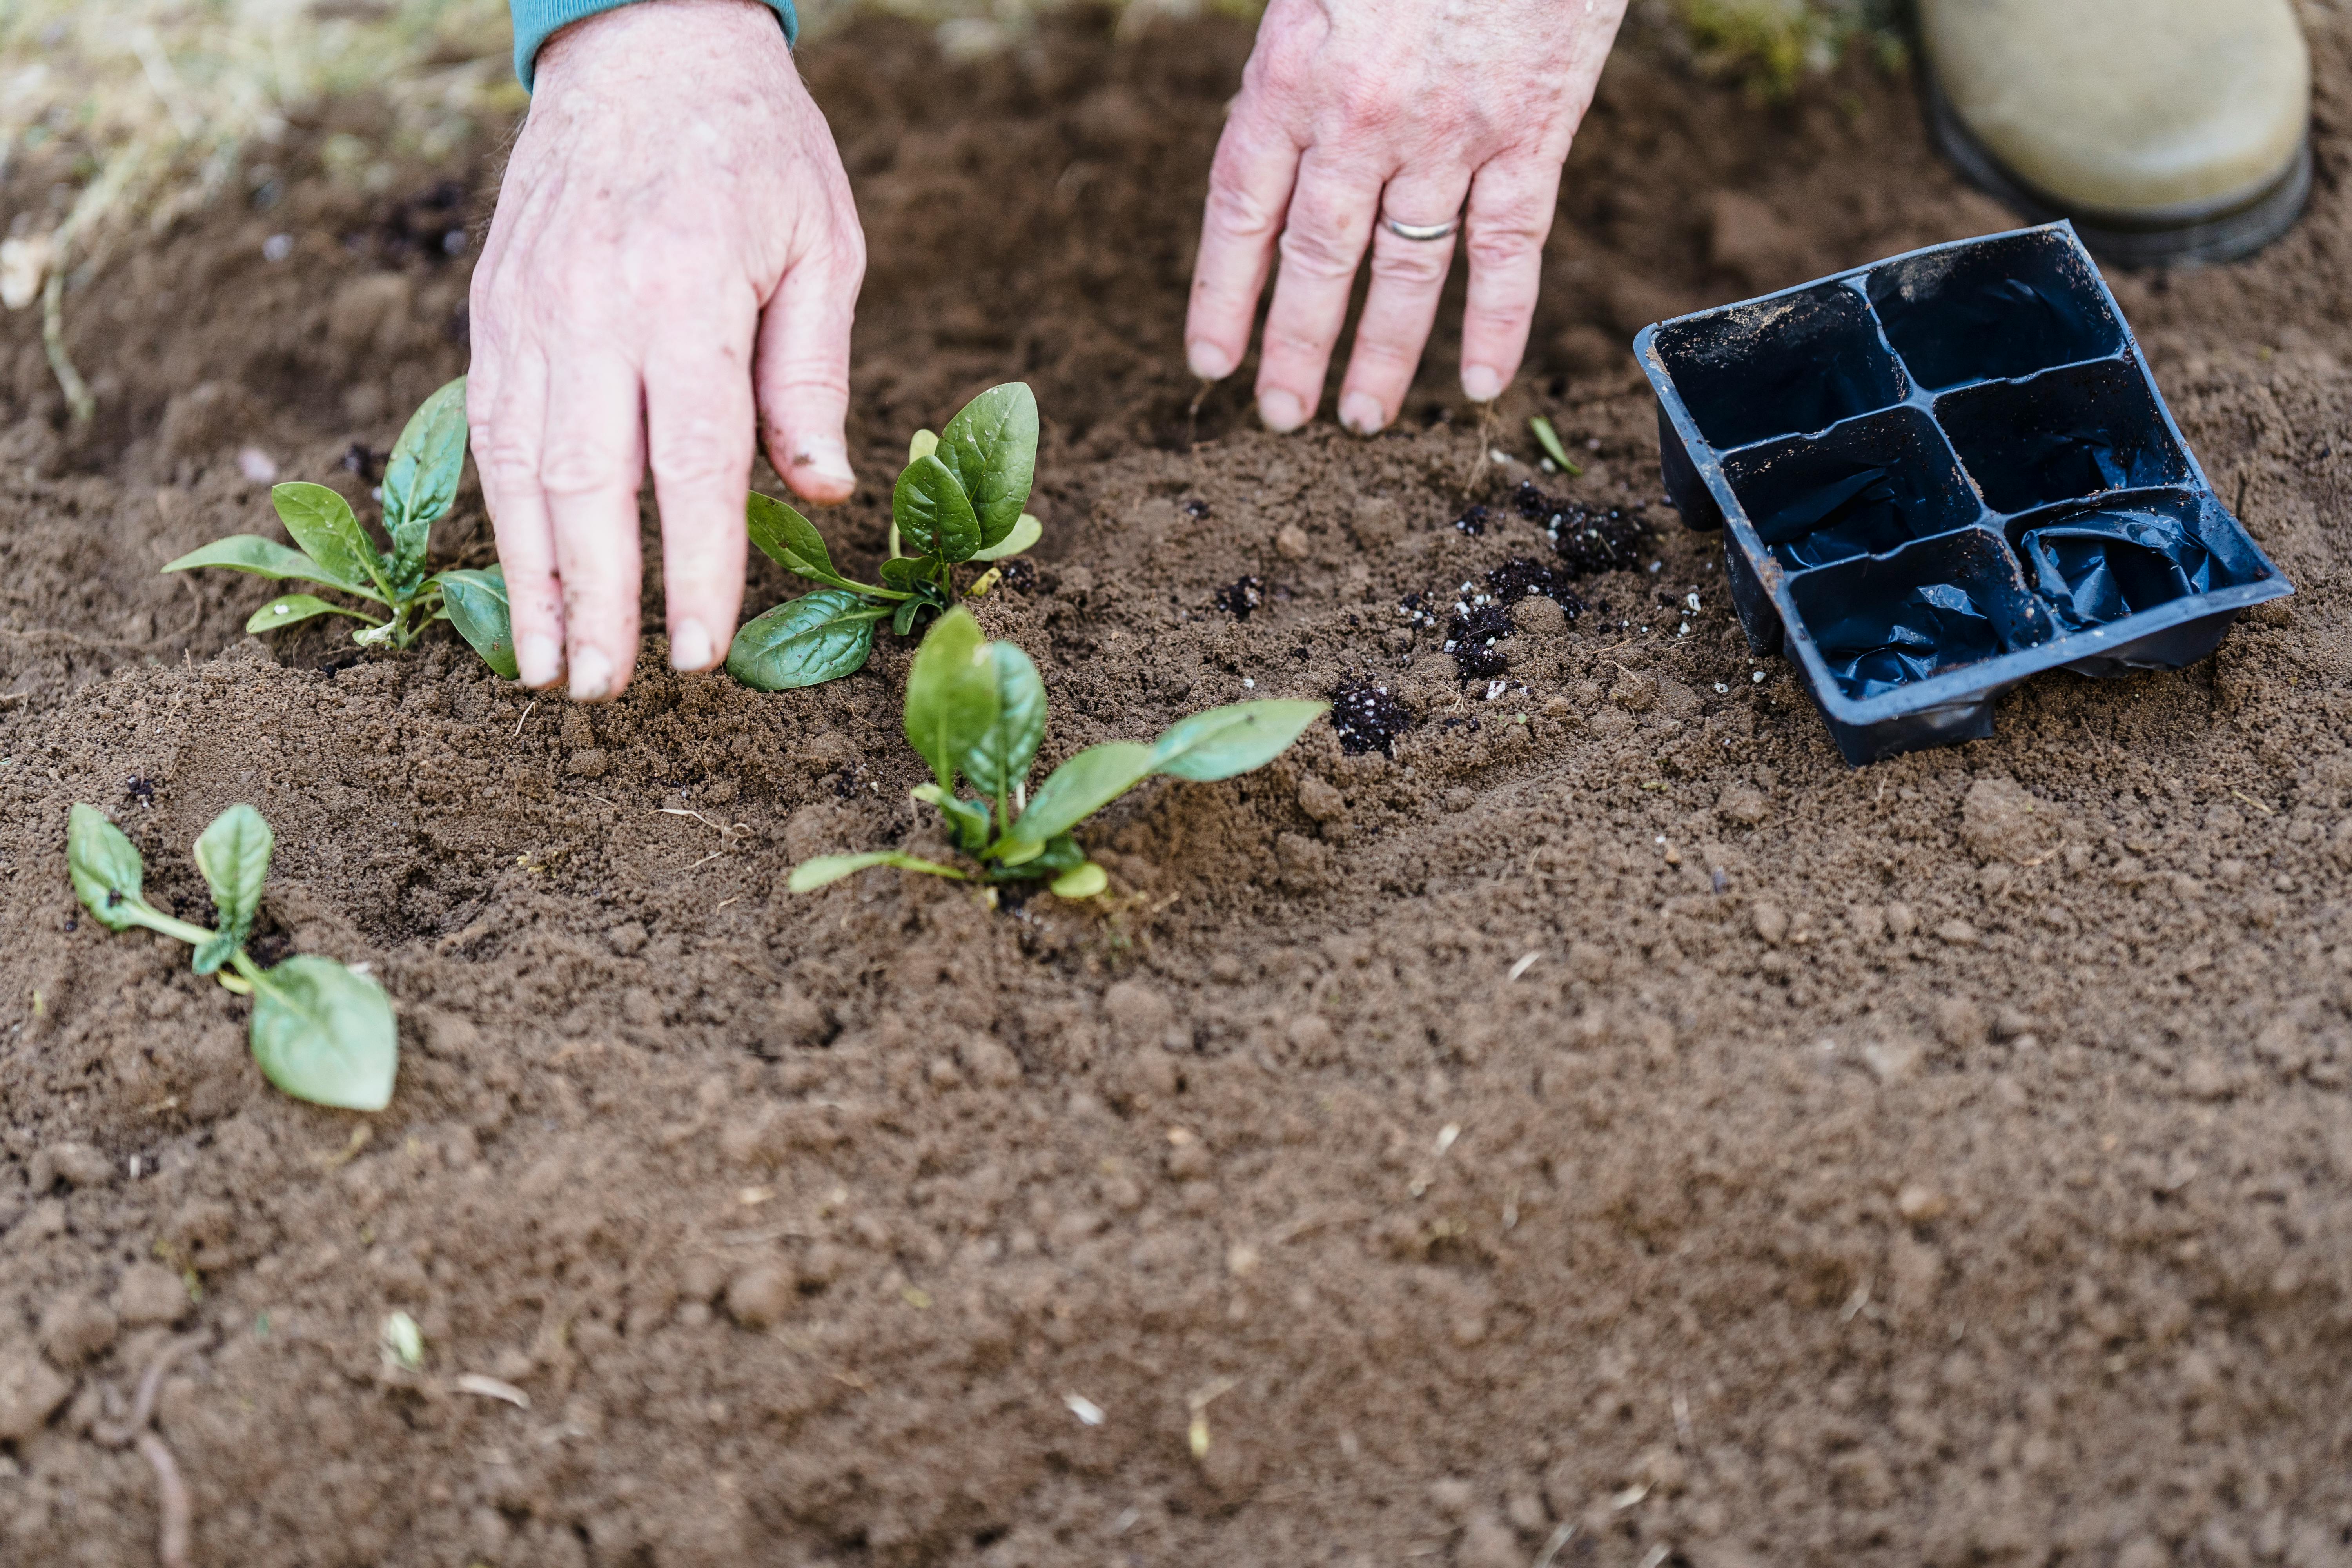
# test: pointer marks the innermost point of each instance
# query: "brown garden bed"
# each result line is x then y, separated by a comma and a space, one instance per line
1608, 1112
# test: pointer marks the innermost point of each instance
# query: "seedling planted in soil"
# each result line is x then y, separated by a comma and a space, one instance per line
322, 1032
977, 709
958, 500
420, 485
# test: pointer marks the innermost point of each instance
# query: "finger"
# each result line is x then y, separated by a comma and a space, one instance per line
590, 462
1249, 187
1408, 276
699, 440
1511, 206
506, 410
1323, 239
803, 374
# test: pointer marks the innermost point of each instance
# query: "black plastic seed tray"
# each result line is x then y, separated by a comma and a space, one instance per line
1943, 473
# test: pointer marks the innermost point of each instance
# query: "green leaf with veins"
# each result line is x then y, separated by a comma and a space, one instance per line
104, 866
968, 817
476, 604
1025, 532
932, 512
420, 479
267, 558
1077, 789
1225, 742
292, 610
905, 573
324, 1034
791, 541
1000, 759
902, 620
810, 874
992, 448
807, 641
950, 694
234, 856
323, 524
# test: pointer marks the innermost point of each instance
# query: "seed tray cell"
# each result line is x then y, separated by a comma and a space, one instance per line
1942, 473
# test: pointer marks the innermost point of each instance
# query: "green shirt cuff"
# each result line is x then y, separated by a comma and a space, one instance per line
536, 20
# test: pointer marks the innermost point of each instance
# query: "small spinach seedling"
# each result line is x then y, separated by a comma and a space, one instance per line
958, 500
1548, 439
420, 485
976, 708
322, 1032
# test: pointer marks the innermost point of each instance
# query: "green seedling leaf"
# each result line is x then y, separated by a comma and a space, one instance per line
323, 524
104, 866
267, 558
1077, 789
1225, 742
324, 1034
925, 443
1548, 439
1083, 882
933, 513
792, 542
811, 875
1000, 759
905, 573
807, 641
968, 817
992, 448
292, 610
420, 478
1025, 532
476, 604
950, 694
402, 1343
902, 619
234, 856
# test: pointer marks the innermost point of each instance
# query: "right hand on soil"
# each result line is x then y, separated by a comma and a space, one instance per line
1351, 108
675, 247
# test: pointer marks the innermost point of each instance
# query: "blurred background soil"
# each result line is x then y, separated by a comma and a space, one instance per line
1607, 1127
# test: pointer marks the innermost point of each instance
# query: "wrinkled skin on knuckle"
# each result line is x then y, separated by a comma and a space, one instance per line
1411, 264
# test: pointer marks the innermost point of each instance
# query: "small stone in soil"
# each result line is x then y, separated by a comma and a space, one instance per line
1197, 508
1240, 597
1369, 717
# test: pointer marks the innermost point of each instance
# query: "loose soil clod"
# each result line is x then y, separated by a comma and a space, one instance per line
1369, 716
1238, 598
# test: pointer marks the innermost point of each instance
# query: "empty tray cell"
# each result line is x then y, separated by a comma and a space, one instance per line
2007, 308
1940, 605
1865, 488
2095, 566
2066, 434
1782, 364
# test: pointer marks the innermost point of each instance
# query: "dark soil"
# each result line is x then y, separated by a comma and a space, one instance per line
1592, 1116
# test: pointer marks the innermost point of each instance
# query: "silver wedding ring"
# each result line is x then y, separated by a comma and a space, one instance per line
1422, 230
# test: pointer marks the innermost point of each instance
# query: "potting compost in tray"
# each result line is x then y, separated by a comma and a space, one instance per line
1943, 473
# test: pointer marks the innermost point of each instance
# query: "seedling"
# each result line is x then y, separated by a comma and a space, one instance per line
420, 485
1548, 439
977, 709
958, 500
322, 1032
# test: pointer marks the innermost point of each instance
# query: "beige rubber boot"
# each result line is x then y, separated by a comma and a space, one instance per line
2169, 130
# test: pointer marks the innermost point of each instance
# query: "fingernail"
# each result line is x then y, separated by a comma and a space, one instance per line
538, 660
1280, 410
1360, 412
1208, 361
592, 675
1480, 383
826, 457
689, 645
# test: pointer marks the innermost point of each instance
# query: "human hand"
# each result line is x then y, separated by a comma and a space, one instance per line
1355, 110
675, 246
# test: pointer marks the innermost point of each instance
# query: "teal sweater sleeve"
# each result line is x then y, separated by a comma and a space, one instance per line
535, 20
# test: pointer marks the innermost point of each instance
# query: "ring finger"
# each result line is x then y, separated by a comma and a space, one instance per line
1322, 244
1408, 276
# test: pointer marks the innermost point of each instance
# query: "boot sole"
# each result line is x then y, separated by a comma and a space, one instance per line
2168, 238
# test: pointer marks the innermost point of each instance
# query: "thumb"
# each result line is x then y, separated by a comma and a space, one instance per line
802, 379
